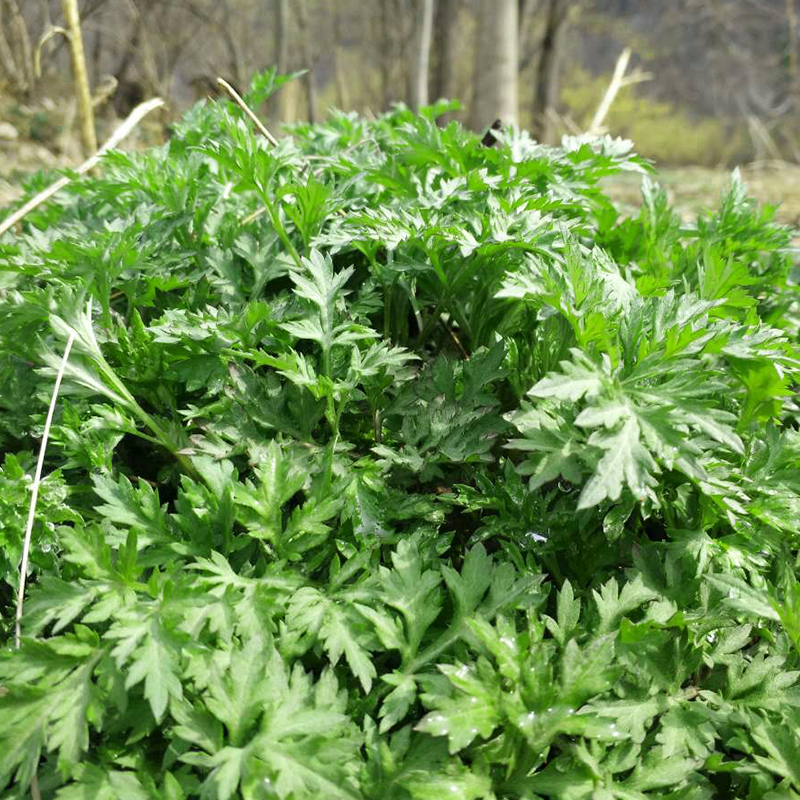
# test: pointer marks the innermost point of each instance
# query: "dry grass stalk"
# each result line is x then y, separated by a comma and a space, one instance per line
26, 545
37, 479
133, 119
80, 75
50, 33
105, 91
237, 98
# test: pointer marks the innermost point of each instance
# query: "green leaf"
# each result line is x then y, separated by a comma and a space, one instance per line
92, 782
319, 285
555, 781
340, 630
743, 597
469, 587
626, 462
22, 736
470, 713
149, 651
587, 670
612, 603
658, 772
398, 702
412, 590
298, 740
281, 475
139, 508
57, 717
568, 612
458, 784
782, 747
578, 379
687, 732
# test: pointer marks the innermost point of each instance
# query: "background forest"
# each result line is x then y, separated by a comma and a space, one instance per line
716, 82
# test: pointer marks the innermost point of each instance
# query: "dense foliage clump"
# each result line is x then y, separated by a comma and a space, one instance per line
390, 465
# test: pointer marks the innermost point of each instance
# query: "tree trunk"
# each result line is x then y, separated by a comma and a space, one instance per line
394, 45
527, 13
422, 49
308, 61
548, 68
794, 70
403, 32
496, 64
278, 102
445, 50
386, 53
9, 71
342, 100
235, 67
282, 36
97, 52
131, 48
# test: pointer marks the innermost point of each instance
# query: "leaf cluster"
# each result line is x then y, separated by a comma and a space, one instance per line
390, 466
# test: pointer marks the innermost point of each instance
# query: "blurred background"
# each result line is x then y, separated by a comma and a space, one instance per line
709, 84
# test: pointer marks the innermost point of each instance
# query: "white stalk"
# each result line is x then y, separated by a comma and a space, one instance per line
37, 479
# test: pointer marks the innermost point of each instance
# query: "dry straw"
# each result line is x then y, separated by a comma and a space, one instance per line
37, 479
26, 545
119, 134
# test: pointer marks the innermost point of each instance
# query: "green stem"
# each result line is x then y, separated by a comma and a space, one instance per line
281, 231
334, 416
387, 310
185, 462
119, 387
326, 362
461, 318
247, 355
430, 323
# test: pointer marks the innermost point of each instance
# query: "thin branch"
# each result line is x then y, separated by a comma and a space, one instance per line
237, 98
255, 215
53, 30
133, 119
455, 339
611, 91
618, 81
87, 12
105, 91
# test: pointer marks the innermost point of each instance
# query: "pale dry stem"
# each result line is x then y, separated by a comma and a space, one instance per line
26, 545
132, 120
237, 98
